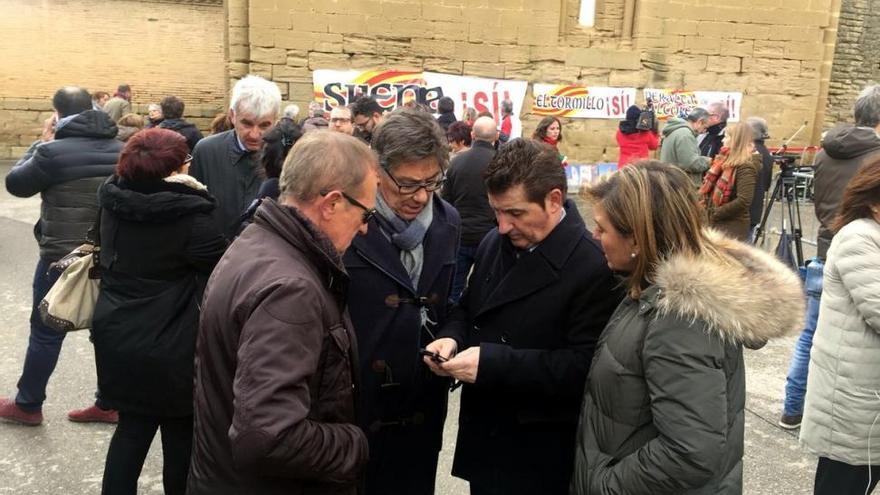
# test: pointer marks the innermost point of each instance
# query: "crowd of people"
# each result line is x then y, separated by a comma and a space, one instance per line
290, 303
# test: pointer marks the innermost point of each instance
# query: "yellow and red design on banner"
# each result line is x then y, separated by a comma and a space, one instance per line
677, 103
582, 102
393, 88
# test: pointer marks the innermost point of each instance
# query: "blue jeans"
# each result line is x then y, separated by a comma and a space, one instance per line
466, 257
796, 381
44, 346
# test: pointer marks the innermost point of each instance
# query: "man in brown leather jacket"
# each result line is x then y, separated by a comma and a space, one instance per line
276, 354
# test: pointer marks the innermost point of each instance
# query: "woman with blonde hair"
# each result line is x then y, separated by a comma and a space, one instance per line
841, 422
663, 411
729, 185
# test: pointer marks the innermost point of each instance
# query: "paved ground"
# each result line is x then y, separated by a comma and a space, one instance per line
60, 457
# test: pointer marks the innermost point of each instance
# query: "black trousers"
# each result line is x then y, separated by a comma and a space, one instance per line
129, 448
840, 478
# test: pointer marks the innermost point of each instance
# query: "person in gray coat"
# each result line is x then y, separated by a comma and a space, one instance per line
842, 407
228, 163
680, 148
663, 411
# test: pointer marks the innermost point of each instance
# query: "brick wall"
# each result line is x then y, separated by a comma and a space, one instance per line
159, 48
856, 57
777, 54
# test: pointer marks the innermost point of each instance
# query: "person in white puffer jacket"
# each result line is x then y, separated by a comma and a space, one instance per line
841, 421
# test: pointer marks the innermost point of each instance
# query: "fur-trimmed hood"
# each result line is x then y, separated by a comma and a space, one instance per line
753, 299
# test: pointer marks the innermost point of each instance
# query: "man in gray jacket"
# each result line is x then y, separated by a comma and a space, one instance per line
227, 163
844, 149
680, 146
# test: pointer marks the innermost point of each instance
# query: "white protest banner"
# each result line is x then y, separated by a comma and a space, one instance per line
677, 103
393, 88
582, 102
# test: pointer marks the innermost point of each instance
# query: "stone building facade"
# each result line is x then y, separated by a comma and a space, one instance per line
856, 57
158, 47
777, 54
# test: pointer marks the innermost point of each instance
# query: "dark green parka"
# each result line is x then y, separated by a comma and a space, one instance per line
663, 411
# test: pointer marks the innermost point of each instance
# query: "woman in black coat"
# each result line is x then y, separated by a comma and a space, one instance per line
158, 246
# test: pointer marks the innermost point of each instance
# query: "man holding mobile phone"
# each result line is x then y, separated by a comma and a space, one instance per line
523, 333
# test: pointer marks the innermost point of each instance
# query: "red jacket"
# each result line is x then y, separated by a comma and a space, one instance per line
635, 146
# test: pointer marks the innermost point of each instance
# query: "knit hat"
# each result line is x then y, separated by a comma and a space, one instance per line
633, 112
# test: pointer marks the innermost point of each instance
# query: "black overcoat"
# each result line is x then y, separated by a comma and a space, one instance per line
403, 405
158, 246
536, 317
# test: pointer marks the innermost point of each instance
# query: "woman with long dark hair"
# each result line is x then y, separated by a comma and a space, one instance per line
158, 246
634, 143
549, 131
841, 422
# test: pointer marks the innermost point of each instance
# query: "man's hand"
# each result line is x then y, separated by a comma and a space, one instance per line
446, 348
464, 366
48, 133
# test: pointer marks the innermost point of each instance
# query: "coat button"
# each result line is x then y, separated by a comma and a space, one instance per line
476, 328
504, 338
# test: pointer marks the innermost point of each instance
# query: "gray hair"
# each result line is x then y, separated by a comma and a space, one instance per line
867, 108
759, 127
721, 108
256, 96
506, 107
408, 135
484, 129
291, 112
154, 106
698, 114
324, 161
316, 109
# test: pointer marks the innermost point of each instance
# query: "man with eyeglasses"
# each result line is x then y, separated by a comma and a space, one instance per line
366, 115
276, 368
401, 280
340, 120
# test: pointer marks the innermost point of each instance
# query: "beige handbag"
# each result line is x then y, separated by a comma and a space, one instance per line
70, 303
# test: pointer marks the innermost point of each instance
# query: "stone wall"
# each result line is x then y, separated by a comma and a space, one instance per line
856, 57
159, 48
777, 54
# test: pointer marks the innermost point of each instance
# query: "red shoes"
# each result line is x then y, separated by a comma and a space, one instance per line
93, 414
10, 411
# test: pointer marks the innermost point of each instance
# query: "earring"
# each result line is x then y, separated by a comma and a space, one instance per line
632, 255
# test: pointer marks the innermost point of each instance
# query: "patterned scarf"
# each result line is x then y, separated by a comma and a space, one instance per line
407, 235
719, 182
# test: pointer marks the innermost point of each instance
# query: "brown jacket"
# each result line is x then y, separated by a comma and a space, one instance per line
275, 367
733, 218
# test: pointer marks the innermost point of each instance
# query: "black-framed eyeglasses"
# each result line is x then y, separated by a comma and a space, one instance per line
368, 213
428, 186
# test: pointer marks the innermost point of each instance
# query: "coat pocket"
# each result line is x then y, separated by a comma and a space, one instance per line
333, 401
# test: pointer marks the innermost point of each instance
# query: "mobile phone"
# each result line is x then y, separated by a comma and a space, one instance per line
435, 356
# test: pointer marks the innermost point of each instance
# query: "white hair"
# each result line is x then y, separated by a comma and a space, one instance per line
256, 96
291, 111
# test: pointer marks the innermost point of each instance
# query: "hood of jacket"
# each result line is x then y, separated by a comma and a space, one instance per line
126, 131
847, 141
751, 299
674, 124
91, 124
176, 124
156, 201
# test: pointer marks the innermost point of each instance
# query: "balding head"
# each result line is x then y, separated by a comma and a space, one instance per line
71, 100
484, 130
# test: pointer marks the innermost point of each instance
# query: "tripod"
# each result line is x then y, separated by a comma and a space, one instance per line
785, 191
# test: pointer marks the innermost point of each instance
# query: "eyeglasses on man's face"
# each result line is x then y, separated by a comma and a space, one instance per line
408, 188
368, 213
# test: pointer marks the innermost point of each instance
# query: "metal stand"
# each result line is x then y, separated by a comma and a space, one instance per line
785, 191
